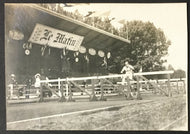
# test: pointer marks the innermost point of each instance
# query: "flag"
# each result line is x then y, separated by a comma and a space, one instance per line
67, 5
100, 14
112, 19
122, 21
89, 13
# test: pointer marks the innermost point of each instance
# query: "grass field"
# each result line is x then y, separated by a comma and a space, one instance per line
156, 114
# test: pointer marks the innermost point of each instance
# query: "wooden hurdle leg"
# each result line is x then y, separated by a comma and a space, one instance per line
169, 86
62, 98
154, 89
70, 99
164, 87
102, 98
93, 96
177, 87
184, 87
153, 84
138, 90
161, 86
129, 96
147, 86
80, 88
53, 91
59, 87
67, 89
41, 93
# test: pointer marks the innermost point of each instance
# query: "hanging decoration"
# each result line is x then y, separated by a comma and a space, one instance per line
108, 55
49, 51
76, 54
101, 53
16, 35
61, 55
86, 58
76, 59
68, 59
27, 46
43, 50
64, 51
92, 51
82, 49
27, 52
30, 46
105, 62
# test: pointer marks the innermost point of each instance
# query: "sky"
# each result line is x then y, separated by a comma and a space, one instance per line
170, 17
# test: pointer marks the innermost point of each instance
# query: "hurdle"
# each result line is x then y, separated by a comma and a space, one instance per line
103, 79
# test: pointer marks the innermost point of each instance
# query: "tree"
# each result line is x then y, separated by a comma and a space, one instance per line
170, 67
148, 45
178, 74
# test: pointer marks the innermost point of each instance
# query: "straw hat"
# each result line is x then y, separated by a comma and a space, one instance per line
37, 75
12, 75
126, 63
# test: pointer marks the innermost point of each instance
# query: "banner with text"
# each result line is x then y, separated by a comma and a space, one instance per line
45, 35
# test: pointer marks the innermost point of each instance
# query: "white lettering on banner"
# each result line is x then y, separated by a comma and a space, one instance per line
45, 35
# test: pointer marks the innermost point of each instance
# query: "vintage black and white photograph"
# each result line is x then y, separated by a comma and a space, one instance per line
96, 66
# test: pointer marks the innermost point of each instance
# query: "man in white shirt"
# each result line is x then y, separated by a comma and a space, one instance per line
128, 70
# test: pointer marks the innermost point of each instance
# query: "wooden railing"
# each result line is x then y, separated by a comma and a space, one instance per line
66, 83
63, 88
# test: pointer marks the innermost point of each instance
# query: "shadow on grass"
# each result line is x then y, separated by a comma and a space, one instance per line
108, 109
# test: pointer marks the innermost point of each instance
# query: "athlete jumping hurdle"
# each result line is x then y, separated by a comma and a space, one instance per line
128, 70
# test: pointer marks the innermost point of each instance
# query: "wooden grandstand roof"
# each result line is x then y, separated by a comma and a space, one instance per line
24, 17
